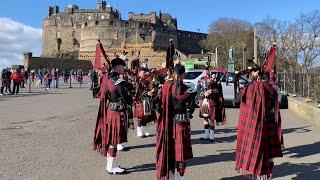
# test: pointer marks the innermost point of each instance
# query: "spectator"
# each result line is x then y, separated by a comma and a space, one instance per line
144, 64
3, 82
33, 75
48, 80
9, 73
56, 77
65, 76
17, 78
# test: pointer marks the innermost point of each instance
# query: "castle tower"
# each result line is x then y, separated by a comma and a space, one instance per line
101, 5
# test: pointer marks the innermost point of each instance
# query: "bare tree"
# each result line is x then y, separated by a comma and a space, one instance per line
309, 41
227, 32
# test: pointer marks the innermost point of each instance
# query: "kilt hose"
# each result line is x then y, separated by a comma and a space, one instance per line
182, 142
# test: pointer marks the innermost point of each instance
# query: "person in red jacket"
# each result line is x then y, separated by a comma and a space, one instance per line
17, 78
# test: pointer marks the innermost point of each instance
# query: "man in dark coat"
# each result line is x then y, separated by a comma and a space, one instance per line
173, 145
111, 126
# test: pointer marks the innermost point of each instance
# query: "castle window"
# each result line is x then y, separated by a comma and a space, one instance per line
111, 23
58, 17
140, 25
96, 16
97, 23
73, 35
189, 35
59, 26
89, 17
102, 17
85, 24
58, 35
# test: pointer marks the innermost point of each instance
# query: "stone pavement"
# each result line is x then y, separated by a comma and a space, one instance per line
48, 135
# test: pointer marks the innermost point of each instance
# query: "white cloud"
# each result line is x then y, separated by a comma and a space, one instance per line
16, 38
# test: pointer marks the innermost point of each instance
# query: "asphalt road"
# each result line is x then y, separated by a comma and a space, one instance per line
48, 135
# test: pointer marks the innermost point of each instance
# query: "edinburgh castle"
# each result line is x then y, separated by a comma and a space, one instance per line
73, 33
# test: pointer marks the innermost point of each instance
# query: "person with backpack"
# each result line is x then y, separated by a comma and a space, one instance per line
17, 78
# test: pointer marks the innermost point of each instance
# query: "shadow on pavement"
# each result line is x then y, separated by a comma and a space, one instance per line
142, 168
303, 129
222, 157
303, 150
301, 171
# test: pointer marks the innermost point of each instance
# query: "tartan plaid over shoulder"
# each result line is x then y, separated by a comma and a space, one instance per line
259, 136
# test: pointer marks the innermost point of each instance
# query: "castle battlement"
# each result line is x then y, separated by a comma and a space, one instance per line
75, 31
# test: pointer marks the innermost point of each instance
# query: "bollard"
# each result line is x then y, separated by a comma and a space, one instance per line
29, 86
70, 82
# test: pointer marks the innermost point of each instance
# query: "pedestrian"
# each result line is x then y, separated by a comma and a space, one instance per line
33, 75
17, 78
5, 81
111, 122
65, 76
144, 64
9, 73
173, 144
48, 79
259, 138
56, 78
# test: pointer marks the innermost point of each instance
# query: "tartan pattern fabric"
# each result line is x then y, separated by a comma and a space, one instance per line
258, 140
116, 131
182, 142
165, 160
217, 111
99, 141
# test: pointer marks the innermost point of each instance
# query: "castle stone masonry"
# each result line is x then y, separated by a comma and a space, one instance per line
74, 32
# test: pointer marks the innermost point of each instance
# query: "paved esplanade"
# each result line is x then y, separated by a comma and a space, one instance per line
49, 136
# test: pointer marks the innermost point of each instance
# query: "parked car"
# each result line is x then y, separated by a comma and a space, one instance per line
194, 75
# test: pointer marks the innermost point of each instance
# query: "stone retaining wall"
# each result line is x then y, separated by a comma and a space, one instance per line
311, 113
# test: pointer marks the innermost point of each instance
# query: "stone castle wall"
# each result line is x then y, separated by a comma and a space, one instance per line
74, 33
35, 63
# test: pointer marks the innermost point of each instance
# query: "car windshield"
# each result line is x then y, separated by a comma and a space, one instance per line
192, 75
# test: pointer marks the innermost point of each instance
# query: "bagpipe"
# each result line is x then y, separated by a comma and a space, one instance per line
267, 69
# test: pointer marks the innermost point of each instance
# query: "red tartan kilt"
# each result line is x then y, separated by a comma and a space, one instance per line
138, 111
116, 131
274, 144
182, 141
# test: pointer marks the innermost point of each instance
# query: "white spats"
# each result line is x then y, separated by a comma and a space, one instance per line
206, 134
211, 135
144, 131
139, 132
112, 168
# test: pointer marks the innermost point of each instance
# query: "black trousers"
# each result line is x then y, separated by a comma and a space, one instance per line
16, 87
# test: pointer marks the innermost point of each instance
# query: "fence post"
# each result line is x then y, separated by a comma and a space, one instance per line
29, 91
70, 86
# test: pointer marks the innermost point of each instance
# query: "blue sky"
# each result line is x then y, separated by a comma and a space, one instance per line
191, 14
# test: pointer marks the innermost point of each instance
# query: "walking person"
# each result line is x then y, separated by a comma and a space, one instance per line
17, 78
48, 80
56, 78
5, 81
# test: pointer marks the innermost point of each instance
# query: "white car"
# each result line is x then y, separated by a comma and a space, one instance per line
194, 75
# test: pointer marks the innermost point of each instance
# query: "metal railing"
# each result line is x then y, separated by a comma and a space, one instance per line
300, 84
